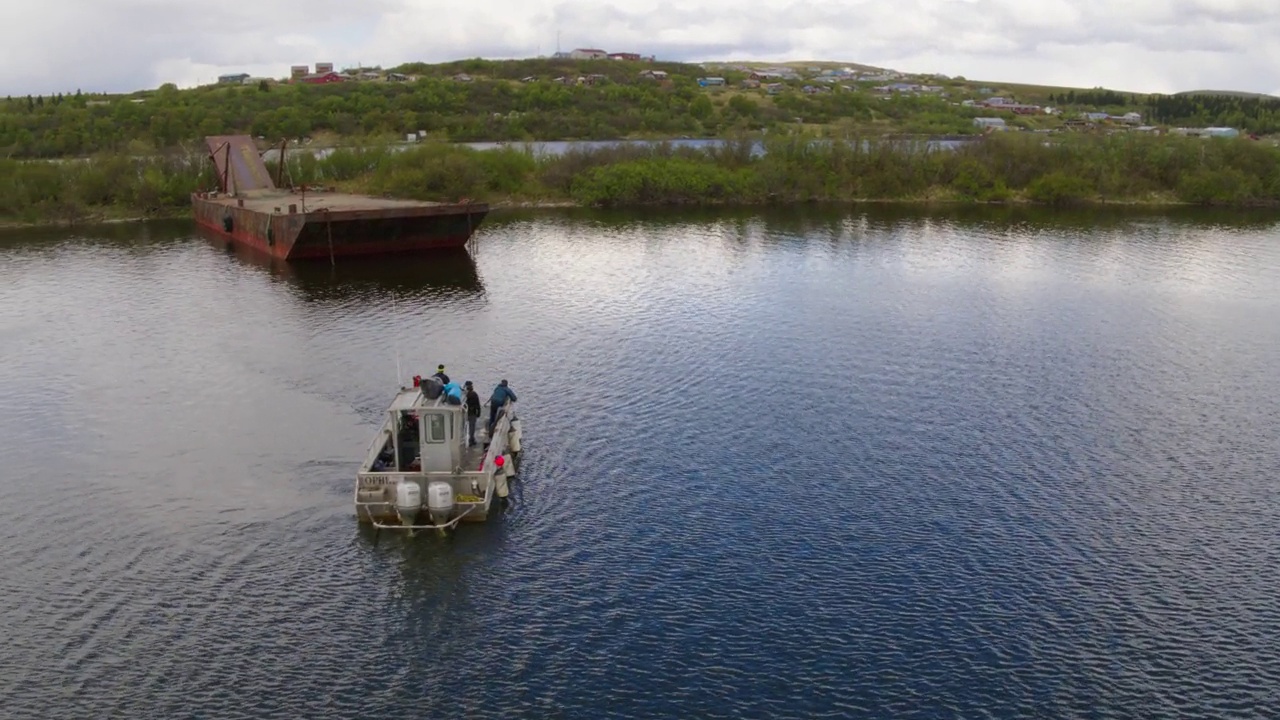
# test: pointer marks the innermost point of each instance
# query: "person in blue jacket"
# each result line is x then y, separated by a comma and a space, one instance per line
453, 393
501, 394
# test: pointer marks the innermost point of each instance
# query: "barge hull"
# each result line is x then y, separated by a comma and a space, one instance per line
322, 233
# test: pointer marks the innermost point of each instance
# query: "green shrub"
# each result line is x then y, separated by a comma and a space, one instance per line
1059, 188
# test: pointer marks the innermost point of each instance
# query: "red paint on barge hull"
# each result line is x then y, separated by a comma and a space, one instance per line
240, 237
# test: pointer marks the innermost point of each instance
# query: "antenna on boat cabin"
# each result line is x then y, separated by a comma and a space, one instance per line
395, 311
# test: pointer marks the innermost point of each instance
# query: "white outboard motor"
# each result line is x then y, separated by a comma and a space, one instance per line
440, 501
408, 501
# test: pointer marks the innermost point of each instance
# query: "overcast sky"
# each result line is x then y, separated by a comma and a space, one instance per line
1134, 45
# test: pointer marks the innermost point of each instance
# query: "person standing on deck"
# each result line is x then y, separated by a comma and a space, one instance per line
501, 395
473, 412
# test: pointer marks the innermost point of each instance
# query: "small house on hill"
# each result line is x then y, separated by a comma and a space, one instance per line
321, 78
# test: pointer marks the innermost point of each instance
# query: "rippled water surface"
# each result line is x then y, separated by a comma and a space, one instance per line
778, 465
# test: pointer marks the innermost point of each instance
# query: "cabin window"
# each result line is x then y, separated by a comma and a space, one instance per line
435, 428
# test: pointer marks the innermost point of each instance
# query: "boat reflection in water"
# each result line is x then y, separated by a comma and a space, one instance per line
445, 273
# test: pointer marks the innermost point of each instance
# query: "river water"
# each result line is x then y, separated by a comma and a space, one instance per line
813, 463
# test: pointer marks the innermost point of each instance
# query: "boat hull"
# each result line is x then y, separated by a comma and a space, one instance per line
375, 495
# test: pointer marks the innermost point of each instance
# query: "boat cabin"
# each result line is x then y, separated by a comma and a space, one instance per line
424, 435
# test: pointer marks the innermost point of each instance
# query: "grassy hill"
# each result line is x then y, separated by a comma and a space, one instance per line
1227, 93
564, 99
797, 65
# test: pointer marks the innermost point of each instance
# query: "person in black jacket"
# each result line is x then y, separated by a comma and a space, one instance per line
444, 379
473, 411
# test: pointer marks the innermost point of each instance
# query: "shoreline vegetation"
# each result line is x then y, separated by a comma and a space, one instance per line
1002, 168
829, 133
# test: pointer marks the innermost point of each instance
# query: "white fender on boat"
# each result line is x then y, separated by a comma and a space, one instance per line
509, 467
500, 476
513, 441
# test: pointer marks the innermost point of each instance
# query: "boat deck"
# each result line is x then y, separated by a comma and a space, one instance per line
268, 201
473, 456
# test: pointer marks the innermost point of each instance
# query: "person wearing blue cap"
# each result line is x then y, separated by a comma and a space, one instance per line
501, 394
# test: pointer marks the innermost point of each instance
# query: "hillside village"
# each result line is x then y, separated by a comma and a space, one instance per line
1002, 110
591, 94
887, 84
991, 109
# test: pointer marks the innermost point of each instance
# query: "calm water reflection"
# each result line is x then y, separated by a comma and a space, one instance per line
812, 463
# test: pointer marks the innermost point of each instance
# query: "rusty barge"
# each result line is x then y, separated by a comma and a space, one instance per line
300, 223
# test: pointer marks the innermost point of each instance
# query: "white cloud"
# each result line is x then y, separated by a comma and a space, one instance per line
1138, 45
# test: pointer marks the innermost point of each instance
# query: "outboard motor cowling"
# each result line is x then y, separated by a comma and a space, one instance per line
408, 500
439, 501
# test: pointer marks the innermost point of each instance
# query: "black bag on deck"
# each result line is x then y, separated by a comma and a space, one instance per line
432, 387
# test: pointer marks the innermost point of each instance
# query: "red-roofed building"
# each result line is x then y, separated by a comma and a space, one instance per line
321, 78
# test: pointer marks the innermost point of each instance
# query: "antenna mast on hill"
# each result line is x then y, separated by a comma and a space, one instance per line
557, 42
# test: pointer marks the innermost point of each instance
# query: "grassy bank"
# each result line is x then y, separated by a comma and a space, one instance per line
1061, 170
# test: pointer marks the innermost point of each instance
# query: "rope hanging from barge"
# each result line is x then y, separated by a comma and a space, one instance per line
328, 222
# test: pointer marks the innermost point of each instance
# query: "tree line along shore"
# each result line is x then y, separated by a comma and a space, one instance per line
1000, 168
